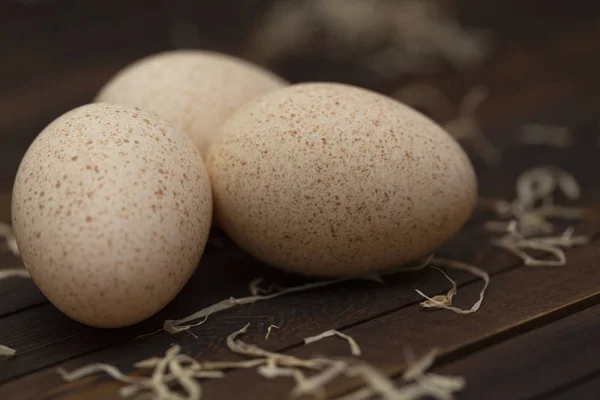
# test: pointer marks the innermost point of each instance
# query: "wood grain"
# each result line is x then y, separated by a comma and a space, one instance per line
534, 363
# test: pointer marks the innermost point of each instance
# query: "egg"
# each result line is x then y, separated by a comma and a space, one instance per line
111, 212
327, 179
196, 90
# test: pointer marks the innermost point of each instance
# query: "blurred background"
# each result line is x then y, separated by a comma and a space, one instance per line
529, 57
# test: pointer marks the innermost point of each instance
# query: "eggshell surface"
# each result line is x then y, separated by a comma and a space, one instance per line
111, 211
327, 179
195, 90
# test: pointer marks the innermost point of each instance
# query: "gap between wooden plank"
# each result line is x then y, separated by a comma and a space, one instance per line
527, 326
586, 388
535, 362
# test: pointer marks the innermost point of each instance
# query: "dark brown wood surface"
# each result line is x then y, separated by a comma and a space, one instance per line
536, 335
586, 388
510, 309
503, 369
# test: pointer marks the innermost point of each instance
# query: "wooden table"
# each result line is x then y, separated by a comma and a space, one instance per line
537, 334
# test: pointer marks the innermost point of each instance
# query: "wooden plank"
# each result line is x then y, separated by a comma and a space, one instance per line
585, 389
517, 301
213, 279
534, 363
348, 304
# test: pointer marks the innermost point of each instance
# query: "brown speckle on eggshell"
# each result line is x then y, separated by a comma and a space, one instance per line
332, 180
196, 90
111, 211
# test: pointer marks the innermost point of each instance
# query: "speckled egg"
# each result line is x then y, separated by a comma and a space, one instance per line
111, 211
196, 90
327, 179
